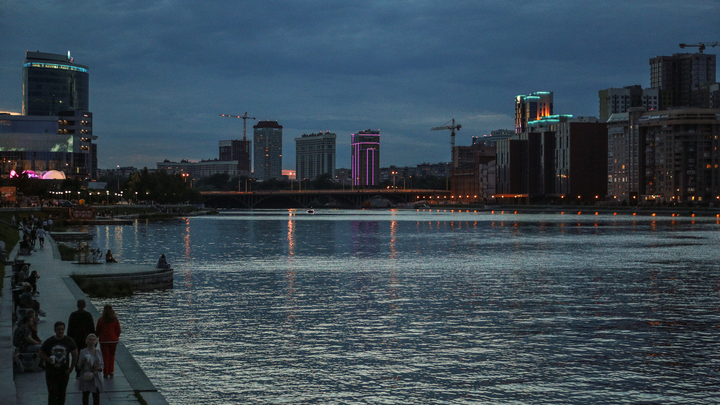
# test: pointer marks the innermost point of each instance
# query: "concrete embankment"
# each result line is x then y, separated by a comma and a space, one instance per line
58, 297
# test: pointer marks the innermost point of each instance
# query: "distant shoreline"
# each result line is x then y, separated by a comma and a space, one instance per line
620, 210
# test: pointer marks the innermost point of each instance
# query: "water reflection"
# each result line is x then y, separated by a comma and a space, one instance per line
427, 307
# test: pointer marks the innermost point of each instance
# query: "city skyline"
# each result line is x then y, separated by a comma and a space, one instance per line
156, 89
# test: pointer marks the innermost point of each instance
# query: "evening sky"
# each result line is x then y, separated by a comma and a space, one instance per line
161, 72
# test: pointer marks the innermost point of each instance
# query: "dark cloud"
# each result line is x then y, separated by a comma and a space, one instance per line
162, 71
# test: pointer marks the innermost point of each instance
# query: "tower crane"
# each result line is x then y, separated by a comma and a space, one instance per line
243, 117
452, 127
700, 45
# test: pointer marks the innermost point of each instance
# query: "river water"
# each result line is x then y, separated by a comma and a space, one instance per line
430, 307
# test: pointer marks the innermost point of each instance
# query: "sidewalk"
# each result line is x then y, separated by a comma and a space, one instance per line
58, 298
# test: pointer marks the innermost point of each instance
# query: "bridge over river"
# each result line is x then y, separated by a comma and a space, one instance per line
321, 198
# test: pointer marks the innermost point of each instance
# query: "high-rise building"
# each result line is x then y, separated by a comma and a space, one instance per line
494, 137
53, 83
467, 176
680, 76
532, 107
680, 155
315, 155
559, 158
666, 156
238, 150
268, 150
613, 101
365, 158
54, 136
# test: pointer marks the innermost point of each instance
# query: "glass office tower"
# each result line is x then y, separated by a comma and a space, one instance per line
53, 83
268, 150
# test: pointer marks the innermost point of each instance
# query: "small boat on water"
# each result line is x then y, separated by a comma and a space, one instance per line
310, 211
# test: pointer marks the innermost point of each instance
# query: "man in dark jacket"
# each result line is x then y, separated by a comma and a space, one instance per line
80, 325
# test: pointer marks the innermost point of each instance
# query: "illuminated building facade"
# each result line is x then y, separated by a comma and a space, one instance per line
268, 150
365, 158
53, 83
681, 158
624, 157
54, 135
315, 155
667, 156
532, 107
40, 144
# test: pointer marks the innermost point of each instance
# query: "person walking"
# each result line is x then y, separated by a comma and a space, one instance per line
60, 354
41, 236
108, 332
80, 325
90, 365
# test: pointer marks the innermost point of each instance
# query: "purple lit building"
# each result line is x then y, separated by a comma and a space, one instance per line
365, 159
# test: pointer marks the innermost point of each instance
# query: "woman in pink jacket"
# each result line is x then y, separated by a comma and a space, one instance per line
108, 332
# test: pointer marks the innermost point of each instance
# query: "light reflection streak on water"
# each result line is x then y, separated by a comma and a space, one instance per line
291, 237
409, 309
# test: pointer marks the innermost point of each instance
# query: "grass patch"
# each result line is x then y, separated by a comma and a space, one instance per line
103, 288
67, 253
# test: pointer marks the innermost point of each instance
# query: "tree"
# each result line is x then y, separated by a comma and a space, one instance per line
161, 187
215, 182
324, 182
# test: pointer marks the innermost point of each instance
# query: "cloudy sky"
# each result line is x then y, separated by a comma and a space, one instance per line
162, 71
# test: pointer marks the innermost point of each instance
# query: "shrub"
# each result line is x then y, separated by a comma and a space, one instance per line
67, 253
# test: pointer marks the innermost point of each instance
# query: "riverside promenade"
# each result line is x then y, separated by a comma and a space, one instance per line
58, 298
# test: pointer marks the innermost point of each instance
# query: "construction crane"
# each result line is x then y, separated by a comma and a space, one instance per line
700, 45
452, 127
244, 118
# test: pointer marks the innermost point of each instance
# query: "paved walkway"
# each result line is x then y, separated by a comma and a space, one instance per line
58, 298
